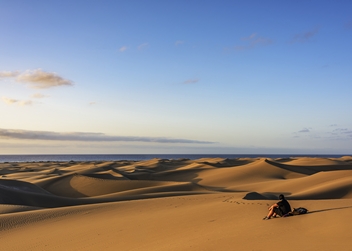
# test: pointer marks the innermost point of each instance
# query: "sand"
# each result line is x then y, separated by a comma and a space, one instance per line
181, 204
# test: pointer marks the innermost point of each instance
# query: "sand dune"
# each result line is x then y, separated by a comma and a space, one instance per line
161, 204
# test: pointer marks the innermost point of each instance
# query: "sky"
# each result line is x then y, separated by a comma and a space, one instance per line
183, 77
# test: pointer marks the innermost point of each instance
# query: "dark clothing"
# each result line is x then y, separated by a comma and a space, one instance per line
284, 207
278, 211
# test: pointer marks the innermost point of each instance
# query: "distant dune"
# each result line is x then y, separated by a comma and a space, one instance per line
175, 204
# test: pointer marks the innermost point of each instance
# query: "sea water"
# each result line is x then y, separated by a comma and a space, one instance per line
139, 157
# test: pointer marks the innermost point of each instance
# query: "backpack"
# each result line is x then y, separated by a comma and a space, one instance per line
300, 210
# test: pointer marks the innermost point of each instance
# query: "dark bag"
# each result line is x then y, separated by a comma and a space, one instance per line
300, 210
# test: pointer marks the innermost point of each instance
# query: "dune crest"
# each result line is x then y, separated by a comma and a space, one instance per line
88, 182
208, 203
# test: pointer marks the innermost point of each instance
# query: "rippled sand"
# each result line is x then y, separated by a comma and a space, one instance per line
161, 204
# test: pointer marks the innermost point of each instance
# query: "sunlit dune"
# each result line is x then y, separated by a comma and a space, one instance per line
176, 204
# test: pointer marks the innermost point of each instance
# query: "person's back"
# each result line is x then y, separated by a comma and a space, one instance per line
281, 208
284, 206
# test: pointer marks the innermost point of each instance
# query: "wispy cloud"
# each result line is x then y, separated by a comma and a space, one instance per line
11, 101
252, 41
326, 133
191, 81
26, 102
340, 134
179, 42
123, 48
142, 46
305, 130
305, 36
39, 95
340, 130
252, 36
37, 79
84, 136
9, 74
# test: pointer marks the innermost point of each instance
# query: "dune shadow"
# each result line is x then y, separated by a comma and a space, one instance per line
297, 169
225, 163
309, 170
264, 196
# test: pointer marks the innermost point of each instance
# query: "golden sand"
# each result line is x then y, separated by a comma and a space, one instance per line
159, 204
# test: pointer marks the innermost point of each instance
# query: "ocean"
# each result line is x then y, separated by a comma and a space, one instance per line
139, 157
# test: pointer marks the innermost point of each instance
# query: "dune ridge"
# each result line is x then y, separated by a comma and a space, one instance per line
159, 191
84, 183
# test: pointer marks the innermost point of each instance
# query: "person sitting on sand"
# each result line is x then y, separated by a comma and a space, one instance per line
280, 208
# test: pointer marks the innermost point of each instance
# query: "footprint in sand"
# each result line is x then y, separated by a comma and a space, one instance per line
230, 200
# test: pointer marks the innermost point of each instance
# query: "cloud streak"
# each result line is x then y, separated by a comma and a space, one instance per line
123, 48
332, 133
89, 137
304, 37
10, 101
39, 95
304, 130
252, 36
37, 79
179, 42
9, 74
252, 41
142, 46
191, 81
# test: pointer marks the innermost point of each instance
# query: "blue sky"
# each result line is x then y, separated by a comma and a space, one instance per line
175, 77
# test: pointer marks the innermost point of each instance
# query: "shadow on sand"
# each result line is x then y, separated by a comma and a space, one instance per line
328, 209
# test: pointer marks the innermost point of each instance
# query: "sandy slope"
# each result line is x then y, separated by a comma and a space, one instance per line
204, 204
